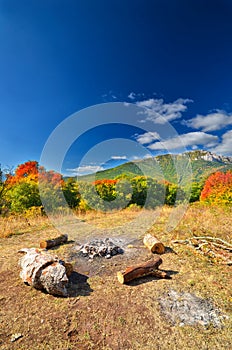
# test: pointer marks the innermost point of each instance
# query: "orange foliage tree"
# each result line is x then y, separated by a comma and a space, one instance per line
106, 189
27, 171
218, 189
31, 172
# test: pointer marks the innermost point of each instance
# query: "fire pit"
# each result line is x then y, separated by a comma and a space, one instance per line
188, 309
101, 248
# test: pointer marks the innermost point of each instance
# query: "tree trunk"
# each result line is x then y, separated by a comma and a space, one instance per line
153, 244
50, 243
44, 271
144, 269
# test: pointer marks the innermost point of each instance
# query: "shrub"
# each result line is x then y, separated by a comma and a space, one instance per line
34, 212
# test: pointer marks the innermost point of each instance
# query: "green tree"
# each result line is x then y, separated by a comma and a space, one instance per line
71, 193
147, 192
155, 193
139, 187
174, 194
52, 197
106, 195
90, 196
196, 189
23, 196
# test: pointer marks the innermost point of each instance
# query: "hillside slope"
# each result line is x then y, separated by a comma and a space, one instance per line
193, 166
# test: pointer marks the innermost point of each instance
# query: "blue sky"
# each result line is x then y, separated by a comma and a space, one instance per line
170, 58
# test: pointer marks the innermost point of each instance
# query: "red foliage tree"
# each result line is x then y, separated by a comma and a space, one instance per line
31, 171
26, 171
218, 188
51, 177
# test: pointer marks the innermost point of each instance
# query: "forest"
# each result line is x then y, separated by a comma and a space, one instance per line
30, 186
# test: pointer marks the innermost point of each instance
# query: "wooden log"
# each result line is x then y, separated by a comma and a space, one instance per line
148, 268
44, 271
153, 244
50, 243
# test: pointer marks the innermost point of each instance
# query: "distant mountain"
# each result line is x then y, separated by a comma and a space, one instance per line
114, 162
175, 168
208, 156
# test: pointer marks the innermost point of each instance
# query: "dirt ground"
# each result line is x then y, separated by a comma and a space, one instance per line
100, 313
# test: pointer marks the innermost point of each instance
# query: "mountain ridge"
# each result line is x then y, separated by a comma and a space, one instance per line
168, 167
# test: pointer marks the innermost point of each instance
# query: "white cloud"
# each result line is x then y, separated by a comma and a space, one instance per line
225, 147
86, 169
118, 157
211, 122
147, 156
189, 139
160, 112
132, 96
194, 147
147, 138
135, 158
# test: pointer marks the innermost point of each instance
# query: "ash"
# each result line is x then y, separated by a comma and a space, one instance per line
101, 248
188, 309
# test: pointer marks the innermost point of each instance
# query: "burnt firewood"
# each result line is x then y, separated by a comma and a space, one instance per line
148, 268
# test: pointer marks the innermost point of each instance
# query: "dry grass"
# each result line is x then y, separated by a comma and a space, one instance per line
17, 225
103, 314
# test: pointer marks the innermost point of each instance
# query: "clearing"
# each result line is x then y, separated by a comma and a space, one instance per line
100, 313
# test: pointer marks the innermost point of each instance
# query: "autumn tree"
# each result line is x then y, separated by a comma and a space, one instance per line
25, 172
29, 184
106, 189
218, 189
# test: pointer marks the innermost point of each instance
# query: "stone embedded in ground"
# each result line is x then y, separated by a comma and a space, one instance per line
188, 309
100, 247
15, 337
